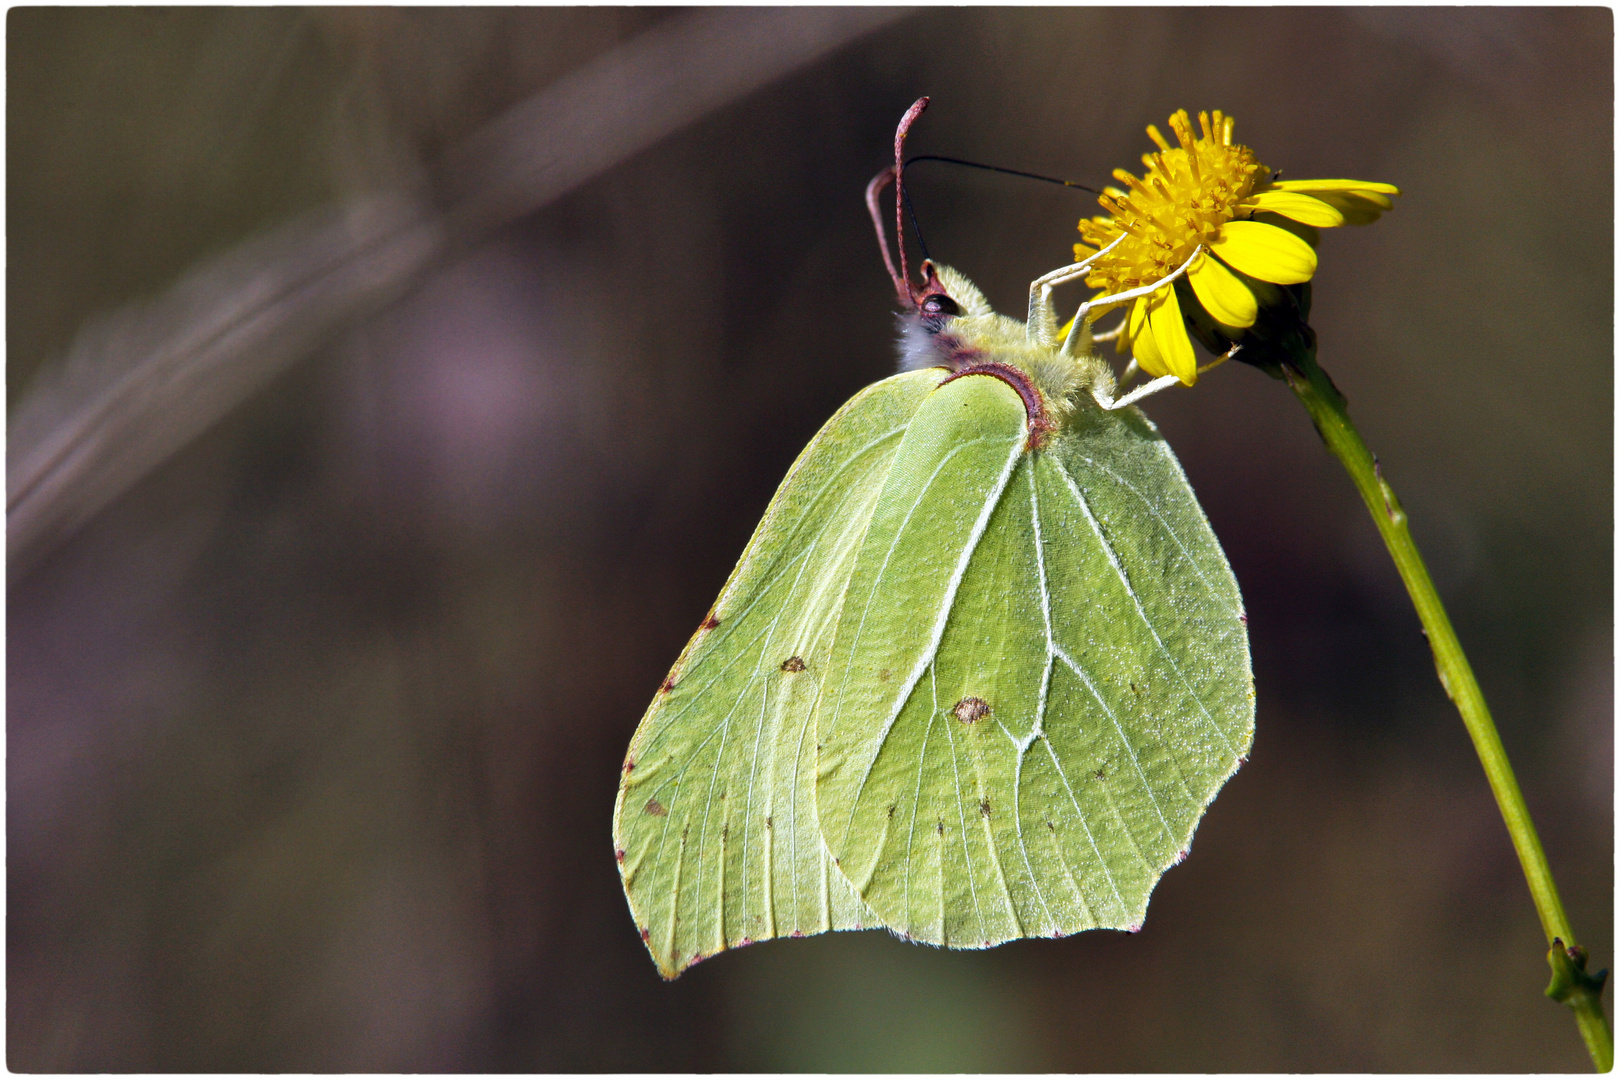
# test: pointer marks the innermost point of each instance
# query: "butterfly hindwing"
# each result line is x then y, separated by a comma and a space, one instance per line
1039, 679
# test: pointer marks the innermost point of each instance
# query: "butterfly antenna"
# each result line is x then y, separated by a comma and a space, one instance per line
906, 121
904, 290
999, 169
873, 191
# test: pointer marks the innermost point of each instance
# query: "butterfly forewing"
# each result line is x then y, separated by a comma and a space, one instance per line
1041, 677
715, 823
901, 778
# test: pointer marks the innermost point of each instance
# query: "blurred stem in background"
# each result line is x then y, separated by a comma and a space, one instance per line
1571, 983
140, 383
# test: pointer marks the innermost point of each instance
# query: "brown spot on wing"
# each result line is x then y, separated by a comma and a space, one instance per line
709, 623
655, 808
970, 710
667, 685
792, 664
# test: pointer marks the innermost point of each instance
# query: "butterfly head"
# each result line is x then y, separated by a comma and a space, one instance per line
947, 322
951, 324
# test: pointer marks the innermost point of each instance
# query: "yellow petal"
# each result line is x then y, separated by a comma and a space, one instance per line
1358, 207
1223, 293
1266, 252
1136, 316
1308, 233
1143, 346
1122, 340
1169, 334
1334, 185
1290, 204
1383, 202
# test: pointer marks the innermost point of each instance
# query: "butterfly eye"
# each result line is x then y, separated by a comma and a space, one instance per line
940, 304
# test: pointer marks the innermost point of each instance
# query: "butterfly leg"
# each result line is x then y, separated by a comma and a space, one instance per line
1115, 299
1110, 335
1042, 315
1164, 382
1080, 344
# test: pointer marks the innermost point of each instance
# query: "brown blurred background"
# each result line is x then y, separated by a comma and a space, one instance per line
369, 467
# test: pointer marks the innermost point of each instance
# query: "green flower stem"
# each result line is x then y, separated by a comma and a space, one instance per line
1571, 984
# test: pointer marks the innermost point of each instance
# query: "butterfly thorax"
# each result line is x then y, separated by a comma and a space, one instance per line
955, 328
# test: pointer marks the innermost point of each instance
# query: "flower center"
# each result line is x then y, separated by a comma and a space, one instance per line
1185, 196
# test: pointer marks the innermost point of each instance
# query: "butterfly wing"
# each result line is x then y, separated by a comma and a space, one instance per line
715, 824
1039, 680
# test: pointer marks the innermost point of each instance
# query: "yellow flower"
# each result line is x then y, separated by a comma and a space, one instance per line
1253, 229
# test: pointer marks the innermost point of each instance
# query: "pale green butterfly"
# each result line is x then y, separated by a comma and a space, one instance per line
977, 675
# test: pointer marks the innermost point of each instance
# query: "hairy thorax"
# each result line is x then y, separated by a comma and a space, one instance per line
975, 340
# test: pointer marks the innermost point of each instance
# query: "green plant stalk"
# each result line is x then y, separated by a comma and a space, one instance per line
1571, 984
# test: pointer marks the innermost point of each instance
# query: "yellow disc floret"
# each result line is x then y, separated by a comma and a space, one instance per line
1186, 195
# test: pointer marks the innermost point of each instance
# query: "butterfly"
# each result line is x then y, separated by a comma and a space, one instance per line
977, 675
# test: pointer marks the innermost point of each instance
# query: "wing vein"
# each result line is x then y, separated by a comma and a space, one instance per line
843, 467
1154, 510
1081, 816
961, 821
1129, 749
948, 602
1136, 601
916, 802
1040, 704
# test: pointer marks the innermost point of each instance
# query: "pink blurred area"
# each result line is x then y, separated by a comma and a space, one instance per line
315, 722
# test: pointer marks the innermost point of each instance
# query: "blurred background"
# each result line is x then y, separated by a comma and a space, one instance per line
391, 391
